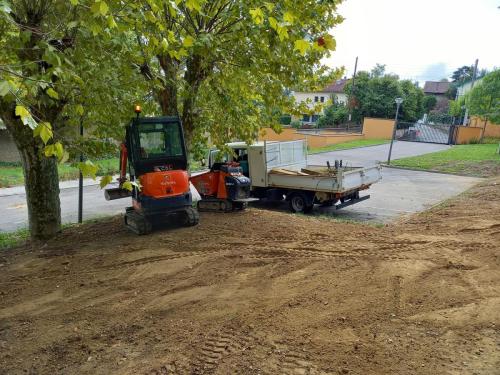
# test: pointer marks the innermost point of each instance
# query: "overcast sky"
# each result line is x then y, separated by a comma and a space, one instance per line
418, 39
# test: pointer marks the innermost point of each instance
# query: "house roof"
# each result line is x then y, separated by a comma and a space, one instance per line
336, 86
433, 87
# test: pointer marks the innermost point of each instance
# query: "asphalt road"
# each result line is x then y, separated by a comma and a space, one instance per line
400, 192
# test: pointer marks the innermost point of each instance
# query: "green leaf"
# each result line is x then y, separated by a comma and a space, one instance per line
88, 169
164, 45
105, 180
74, 2
289, 17
111, 22
269, 6
44, 131
193, 5
257, 15
127, 185
302, 46
22, 112
79, 109
273, 22
52, 93
103, 8
188, 41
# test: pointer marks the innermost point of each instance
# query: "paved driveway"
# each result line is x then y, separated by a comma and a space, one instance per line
400, 192
373, 154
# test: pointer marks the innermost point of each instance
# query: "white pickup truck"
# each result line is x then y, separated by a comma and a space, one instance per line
279, 171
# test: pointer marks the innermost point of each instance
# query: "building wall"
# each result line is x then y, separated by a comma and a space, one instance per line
8, 150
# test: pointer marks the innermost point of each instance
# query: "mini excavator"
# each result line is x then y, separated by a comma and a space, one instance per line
223, 188
155, 154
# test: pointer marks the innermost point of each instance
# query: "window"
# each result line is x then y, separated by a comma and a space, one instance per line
305, 118
315, 118
160, 140
316, 99
322, 99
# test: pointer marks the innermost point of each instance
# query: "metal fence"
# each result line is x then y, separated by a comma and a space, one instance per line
428, 133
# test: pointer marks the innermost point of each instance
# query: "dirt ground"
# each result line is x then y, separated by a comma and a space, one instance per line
261, 292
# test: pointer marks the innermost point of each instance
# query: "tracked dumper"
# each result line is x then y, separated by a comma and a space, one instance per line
279, 171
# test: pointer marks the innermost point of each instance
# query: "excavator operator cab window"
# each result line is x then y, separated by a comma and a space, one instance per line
158, 140
156, 143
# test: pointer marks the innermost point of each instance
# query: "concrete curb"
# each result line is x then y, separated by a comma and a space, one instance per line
427, 171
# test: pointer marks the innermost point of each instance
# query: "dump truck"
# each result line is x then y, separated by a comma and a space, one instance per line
279, 171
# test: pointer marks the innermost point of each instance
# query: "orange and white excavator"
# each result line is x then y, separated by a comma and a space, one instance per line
155, 155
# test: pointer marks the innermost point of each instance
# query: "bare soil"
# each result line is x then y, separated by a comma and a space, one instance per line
261, 292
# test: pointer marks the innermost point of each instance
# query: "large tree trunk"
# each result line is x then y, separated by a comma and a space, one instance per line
41, 180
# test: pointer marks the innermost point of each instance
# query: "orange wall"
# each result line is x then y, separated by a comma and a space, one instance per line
466, 134
313, 140
492, 130
377, 128
373, 128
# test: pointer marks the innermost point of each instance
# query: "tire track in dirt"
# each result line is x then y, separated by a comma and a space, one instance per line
218, 346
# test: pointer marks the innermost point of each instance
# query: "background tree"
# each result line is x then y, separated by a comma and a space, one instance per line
429, 102
378, 71
462, 74
374, 97
334, 114
484, 99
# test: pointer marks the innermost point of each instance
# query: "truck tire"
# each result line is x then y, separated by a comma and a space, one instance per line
300, 203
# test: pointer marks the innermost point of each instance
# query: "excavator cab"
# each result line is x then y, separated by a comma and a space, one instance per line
156, 156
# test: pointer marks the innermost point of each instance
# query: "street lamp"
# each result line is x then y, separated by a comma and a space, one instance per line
398, 103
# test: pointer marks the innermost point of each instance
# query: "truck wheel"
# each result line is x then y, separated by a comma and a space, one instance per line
299, 203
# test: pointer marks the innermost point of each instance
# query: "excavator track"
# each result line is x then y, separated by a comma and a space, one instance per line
215, 205
137, 223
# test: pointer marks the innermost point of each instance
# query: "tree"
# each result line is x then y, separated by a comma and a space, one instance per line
429, 103
374, 97
223, 65
378, 71
53, 78
462, 74
334, 114
484, 98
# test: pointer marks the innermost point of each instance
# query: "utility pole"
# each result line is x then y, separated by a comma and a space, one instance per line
353, 85
474, 74
80, 181
398, 103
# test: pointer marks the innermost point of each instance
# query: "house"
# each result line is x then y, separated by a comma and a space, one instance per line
438, 89
464, 88
334, 92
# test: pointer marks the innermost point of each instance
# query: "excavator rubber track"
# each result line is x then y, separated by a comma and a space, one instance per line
137, 223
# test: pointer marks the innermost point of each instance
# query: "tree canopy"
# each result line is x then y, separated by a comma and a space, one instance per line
484, 98
223, 66
374, 95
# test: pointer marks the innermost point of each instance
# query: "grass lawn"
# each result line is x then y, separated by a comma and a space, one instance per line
478, 160
348, 145
11, 174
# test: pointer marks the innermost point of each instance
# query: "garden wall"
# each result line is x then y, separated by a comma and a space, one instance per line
373, 128
491, 130
467, 134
